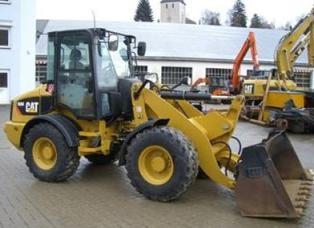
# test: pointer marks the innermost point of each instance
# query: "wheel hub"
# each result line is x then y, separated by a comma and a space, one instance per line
48, 152
158, 164
44, 153
155, 165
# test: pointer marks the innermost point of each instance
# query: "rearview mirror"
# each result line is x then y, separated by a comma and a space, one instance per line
141, 48
113, 42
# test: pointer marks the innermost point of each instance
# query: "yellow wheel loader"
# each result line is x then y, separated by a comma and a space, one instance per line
92, 107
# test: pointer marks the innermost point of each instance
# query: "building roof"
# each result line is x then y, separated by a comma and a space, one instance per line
165, 1
184, 42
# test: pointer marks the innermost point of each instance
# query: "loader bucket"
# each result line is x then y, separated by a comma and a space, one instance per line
271, 181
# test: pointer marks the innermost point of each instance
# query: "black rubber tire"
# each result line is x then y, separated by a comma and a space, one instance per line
184, 159
67, 157
100, 159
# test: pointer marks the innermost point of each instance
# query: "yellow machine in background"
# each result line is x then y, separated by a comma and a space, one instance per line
276, 101
92, 107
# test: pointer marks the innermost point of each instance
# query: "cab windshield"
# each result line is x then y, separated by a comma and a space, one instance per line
113, 59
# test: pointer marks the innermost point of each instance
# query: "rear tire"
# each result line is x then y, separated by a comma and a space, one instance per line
161, 163
47, 154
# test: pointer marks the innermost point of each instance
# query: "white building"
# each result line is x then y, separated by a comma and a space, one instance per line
172, 11
178, 50
17, 47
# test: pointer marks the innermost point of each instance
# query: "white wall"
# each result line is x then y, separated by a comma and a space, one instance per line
199, 68
19, 59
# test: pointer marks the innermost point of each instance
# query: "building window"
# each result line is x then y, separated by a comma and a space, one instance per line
4, 37
302, 77
140, 70
173, 75
3, 79
41, 71
218, 76
261, 74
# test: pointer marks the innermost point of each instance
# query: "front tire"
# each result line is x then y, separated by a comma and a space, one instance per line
161, 163
47, 154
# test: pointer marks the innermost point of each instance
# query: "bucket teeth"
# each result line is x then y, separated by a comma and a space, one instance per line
300, 212
301, 205
301, 198
306, 188
304, 193
307, 183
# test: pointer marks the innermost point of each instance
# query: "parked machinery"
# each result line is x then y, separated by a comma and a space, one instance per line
277, 101
93, 107
234, 85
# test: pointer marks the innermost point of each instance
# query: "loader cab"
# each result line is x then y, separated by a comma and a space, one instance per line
86, 68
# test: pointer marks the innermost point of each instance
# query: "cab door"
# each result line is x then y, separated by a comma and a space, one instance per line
75, 81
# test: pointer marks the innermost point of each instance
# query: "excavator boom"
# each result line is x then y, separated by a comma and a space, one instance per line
250, 43
293, 44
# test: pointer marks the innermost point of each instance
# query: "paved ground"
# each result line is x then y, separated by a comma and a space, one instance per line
103, 197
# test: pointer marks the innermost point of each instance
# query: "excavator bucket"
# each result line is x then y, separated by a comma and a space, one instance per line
271, 181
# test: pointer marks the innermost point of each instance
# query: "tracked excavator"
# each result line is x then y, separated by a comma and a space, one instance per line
277, 102
92, 107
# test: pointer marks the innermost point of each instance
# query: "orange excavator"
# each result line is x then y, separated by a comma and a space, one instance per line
234, 86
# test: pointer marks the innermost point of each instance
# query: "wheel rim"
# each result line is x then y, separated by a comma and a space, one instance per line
155, 165
44, 153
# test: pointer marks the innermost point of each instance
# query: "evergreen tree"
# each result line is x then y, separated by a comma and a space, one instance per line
259, 22
144, 11
210, 18
237, 15
256, 21
287, 27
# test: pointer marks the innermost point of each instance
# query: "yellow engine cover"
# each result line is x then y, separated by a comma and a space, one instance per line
256, 88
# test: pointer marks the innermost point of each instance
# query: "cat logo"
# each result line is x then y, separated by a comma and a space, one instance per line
31, 107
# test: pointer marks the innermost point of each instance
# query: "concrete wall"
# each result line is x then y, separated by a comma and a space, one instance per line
19, 58
175, 14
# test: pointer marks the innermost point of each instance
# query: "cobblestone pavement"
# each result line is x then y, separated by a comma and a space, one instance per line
101, 196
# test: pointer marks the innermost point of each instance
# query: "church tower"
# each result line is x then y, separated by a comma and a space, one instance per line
172, 11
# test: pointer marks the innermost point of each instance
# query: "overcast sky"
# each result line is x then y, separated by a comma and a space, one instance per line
276, 11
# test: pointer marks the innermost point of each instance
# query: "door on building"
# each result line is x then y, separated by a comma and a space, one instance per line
4, 87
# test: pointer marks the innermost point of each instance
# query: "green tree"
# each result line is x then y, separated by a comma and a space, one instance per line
256, 21
259, 22
210, 18
144, 11
287, 27
237, 15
